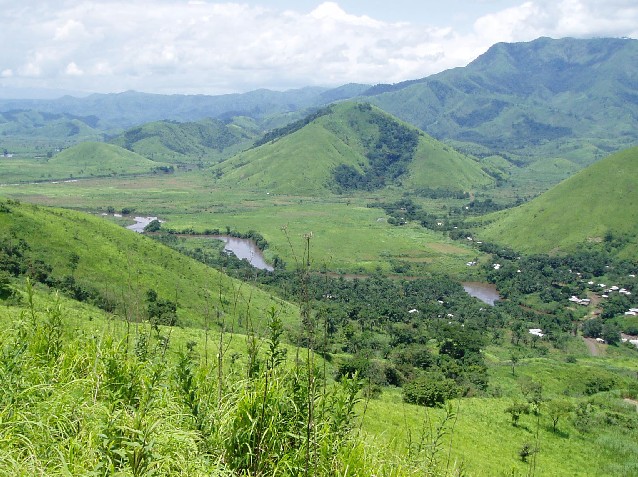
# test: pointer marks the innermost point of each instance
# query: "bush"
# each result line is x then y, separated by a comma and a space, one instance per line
430, 390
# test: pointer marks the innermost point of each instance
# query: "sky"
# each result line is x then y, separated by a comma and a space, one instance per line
219, 47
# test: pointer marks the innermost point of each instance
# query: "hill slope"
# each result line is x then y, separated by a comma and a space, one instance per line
170, 141
99, 159
121, 266
597, 203
545, 97
37, 125
350, 146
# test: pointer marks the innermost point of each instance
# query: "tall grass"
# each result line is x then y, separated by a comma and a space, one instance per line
77, 402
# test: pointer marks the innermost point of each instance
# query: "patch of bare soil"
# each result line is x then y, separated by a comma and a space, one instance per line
632, 401
592, 346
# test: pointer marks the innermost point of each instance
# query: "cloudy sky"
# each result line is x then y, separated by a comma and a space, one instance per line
216, 47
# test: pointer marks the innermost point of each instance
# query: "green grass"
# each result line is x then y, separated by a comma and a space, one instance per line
123, 265
482, 438
347, 235
88, 159
598, 200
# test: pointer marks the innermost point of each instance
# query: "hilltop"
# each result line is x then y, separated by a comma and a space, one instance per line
598, 204
171, 141
346, 147
84, 160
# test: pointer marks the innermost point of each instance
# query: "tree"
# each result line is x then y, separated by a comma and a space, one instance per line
610, 333
514, 359
153, 226
160, 312
557, 409
516, 409
6, 291
533, 392
593, 328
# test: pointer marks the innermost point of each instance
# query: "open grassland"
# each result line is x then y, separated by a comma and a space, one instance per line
347, 235
598, 202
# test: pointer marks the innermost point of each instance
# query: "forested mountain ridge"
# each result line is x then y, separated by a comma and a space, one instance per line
130, 108
568, 98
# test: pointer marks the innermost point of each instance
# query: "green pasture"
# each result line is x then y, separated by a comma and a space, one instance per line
88, 159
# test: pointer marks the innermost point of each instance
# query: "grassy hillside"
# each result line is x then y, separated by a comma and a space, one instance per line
597, 204
87, 159
121, 266
349, 147
112, 400
170, 141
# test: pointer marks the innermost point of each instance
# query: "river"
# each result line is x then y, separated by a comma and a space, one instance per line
245, 249
140, 223
486, 292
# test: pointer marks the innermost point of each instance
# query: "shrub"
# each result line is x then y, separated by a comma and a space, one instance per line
430, 390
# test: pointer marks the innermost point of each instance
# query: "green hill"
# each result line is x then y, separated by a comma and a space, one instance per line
99, 159
97, 259
569, 98
596, 204
84, 160
346, 147
171, 141
37, 125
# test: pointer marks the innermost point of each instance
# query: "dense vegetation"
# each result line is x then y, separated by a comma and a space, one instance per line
91, 400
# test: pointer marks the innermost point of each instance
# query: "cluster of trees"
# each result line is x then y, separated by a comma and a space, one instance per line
398, 332
555, 279
405, 210
256, 237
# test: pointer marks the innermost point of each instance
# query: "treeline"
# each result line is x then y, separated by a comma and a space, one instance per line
292, 127
405, 210
256, 237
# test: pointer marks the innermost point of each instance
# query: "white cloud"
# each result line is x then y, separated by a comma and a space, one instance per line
562, 18
73, 70
195, 46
